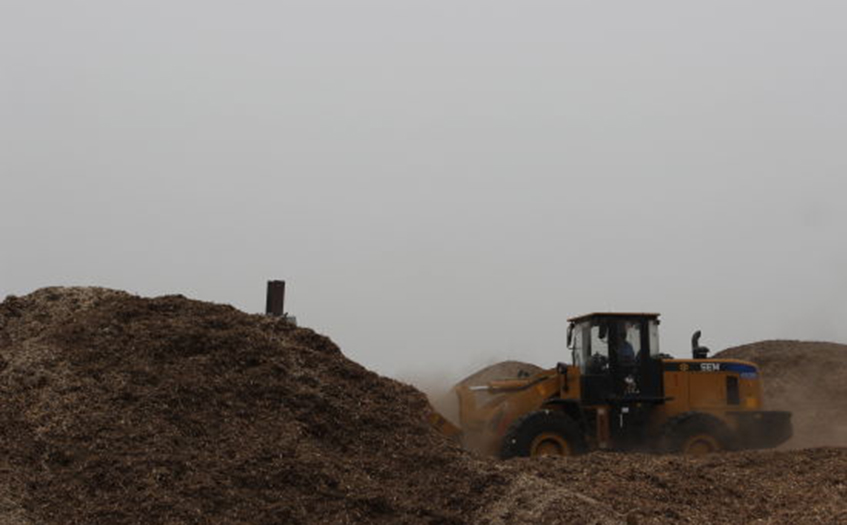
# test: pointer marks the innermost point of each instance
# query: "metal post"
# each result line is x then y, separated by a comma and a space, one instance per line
275, 304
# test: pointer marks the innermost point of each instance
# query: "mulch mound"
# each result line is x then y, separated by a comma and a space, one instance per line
119, 409
803, 486
807, 378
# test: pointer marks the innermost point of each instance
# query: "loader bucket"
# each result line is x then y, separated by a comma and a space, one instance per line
484, 407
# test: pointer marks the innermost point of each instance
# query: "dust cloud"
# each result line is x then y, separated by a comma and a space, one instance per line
438, 388
809, 379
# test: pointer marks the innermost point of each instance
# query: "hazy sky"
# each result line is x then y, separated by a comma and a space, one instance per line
442, 183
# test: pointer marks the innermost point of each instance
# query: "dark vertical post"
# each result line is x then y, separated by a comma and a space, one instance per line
275, 304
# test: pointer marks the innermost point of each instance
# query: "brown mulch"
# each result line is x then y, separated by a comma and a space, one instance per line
120, 409
803, 486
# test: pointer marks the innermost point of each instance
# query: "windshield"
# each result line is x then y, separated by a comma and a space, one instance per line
630, 343
590, 342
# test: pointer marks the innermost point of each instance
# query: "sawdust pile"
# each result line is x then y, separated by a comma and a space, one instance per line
118, 409
810, 380
803, 486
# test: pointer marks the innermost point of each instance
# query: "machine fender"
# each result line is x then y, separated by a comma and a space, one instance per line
571, 407
682, 426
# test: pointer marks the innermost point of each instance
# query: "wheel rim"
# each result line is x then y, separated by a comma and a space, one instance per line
700, 445
549, 444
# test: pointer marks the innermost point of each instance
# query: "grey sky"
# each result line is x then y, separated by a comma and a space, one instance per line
441, 183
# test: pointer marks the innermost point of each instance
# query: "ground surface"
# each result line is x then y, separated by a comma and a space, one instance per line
120, 409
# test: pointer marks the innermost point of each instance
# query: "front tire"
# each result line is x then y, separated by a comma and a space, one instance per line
543, 433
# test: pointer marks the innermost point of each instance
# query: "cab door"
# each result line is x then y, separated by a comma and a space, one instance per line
634, 364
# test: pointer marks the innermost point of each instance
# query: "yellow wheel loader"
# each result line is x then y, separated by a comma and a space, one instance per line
620, 393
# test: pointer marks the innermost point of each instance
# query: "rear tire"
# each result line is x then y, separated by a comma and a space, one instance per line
695, 434
543, 433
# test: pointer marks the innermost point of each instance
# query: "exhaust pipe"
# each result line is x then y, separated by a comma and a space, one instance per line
697, 351
275, 303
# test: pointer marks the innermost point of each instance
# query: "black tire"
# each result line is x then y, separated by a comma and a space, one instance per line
695, 433
544, 432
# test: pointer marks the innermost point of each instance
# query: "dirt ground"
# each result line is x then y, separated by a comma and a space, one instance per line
120, 409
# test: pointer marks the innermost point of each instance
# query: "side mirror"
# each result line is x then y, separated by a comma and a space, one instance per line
570, 336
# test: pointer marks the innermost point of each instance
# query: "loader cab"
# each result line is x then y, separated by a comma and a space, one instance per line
618, 356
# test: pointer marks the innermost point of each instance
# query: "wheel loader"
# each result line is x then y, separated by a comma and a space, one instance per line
619, 393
